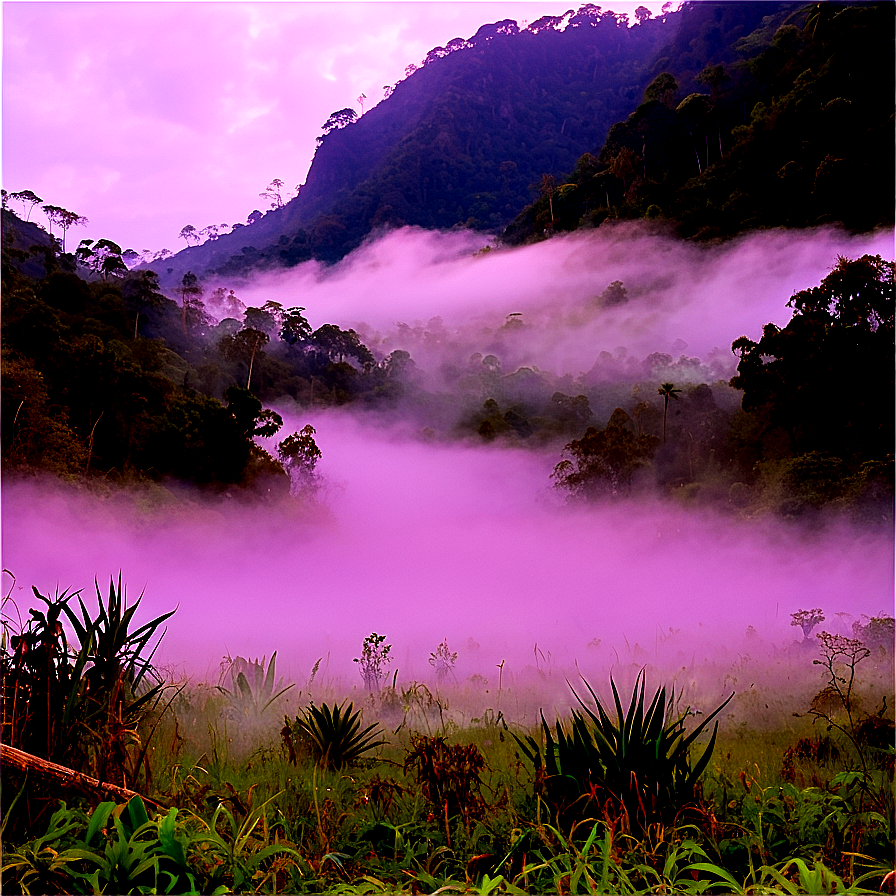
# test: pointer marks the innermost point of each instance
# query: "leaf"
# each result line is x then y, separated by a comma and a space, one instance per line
98, 820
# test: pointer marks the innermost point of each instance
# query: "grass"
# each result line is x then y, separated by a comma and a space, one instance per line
450, 803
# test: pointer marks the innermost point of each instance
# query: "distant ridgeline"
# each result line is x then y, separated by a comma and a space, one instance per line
717, 118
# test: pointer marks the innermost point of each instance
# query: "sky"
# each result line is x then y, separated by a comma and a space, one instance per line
146, 117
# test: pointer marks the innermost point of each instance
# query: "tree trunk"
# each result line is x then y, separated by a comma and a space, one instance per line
251, 362
65, 778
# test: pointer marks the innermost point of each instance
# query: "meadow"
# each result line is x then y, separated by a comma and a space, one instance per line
766, 769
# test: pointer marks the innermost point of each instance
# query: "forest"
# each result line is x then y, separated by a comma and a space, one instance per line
437, 542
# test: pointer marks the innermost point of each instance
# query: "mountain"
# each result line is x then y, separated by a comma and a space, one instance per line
720, 117
790, 125
460, 141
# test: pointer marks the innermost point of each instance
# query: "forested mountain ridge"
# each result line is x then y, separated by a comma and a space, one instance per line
469, 137
460, 141
790, 133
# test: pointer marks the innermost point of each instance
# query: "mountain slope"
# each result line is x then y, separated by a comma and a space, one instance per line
459, 141
791, 129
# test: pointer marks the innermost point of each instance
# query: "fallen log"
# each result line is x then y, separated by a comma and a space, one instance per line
66, 778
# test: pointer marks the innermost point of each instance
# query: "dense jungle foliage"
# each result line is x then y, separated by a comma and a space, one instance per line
106, 376
788, 130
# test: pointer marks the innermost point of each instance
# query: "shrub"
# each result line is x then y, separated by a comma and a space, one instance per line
638, 764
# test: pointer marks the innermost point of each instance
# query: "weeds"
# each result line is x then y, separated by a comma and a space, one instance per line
252, 691
625, 801
373, 660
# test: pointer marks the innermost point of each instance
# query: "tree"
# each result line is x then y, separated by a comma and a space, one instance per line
103, 257
667, 390
614, 294
260, 319
27, 198
131, 257
254, 216
188, 233
272, 193
244, 346
692, 111
295, 329
663, 88
299, 455
141, 292
339, 344
64, 219
856, 293
251, 417
337, 120
816, 379
642, 14
807, 620
604, 461
361, 99
191, 298
546, 187
624, 165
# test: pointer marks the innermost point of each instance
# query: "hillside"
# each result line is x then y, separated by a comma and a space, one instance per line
461, 141
789, 128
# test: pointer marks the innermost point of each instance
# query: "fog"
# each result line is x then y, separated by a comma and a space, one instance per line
424, 540
702, 296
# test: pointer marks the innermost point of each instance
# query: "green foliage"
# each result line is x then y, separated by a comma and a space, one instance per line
120, 849
299, 455
807, 620
334, 735
638, 764
252, 688
787, 130
87, 707
442, 660
605, 461
809, 378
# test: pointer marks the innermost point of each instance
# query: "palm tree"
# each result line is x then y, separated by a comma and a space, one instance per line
667, 390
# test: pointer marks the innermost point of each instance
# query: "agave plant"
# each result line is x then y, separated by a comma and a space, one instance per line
334, 735
639, 762
253, 690
84, 706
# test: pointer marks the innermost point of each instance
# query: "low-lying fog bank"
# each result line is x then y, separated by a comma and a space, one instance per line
423, 542
701, 297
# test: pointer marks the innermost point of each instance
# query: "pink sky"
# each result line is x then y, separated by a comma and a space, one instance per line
145, 117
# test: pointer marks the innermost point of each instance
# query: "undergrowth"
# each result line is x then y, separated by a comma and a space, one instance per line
409, 791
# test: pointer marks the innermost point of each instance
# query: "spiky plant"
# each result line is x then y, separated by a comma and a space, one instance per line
638, 763
253, 690
334, 735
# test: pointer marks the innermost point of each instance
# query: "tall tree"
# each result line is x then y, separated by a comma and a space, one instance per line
272, 193
191, 297
27, 198
188, 233
667, 390
244, 346
64, 219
